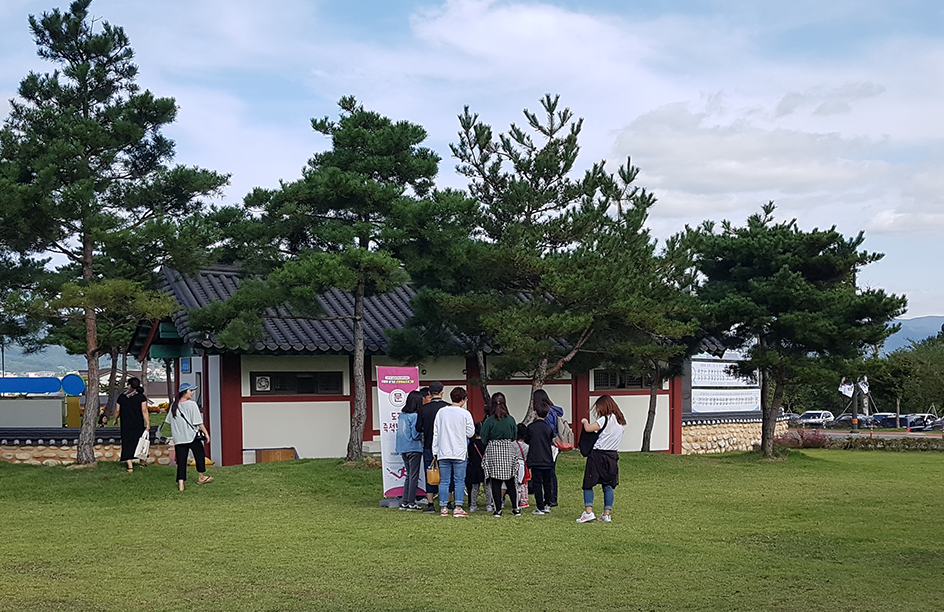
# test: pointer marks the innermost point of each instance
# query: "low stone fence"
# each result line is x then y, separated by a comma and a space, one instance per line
709, 435
50, 455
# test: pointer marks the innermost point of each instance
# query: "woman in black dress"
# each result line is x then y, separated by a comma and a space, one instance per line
133, 411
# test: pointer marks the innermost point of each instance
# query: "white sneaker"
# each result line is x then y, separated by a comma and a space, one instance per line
547, 509
586, 517
605, 518
538, 511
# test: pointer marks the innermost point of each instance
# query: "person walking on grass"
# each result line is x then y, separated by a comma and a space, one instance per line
410, 447
603, 461
189, 434
500, 464
135, 419
425, 419
451, 432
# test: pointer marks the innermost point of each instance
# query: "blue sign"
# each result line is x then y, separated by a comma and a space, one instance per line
73, 384
25, 384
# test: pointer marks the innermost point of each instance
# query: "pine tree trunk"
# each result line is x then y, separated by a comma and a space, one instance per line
654, 385
483, 385
355, 446
113, 387
537, 382
85, 450
766, 437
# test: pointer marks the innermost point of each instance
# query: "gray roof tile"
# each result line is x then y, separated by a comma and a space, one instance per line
333, 333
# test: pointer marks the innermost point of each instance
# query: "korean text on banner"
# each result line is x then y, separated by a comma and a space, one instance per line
393, 385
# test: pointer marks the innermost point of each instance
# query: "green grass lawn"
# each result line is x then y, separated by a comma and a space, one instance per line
823, 530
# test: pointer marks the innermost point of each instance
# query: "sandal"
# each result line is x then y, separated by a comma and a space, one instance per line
205, 480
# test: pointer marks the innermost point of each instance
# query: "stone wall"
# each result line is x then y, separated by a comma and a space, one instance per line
65, 455
721, 436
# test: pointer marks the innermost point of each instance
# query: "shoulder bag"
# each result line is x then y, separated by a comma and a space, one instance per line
589, 438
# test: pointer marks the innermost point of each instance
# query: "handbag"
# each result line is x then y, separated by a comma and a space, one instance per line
432, 473
200, 436
589, 438
143, 448
524, 472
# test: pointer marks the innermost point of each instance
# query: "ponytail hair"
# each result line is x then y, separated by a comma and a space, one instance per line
135, 384
498, 406
176, 404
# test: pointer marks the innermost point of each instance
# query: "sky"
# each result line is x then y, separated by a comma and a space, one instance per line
831, 109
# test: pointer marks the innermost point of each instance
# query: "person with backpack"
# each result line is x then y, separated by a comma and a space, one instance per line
602, 460
189, 434
554, 413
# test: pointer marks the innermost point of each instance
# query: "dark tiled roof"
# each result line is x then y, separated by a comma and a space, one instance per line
333, 333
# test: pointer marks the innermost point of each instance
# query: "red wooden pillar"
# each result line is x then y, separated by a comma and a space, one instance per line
476, 401
231, 410
369, 430
675, 416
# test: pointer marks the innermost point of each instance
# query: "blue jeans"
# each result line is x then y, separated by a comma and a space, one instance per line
451, 477
607, 497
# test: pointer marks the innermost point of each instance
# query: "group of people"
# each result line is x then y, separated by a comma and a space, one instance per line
186, 425
500, 455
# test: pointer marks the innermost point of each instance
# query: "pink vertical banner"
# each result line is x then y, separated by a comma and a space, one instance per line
393, 386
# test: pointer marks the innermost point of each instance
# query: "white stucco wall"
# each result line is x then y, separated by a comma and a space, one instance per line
518, 396
635, 408
314, 429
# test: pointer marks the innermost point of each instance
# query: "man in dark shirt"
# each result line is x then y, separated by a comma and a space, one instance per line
424, 425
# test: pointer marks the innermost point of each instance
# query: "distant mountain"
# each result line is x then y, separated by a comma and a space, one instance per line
53, 359
915, 329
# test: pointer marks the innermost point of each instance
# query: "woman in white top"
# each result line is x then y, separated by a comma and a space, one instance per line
185, 423
602, 463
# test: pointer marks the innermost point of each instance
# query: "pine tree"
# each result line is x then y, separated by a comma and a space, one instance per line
790, 296
83, 163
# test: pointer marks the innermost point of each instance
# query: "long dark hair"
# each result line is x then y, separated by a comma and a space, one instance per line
176, 404
413, 402
498, 406
541, 398
607, 406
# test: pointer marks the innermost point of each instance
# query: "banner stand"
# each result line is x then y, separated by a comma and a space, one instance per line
393, 386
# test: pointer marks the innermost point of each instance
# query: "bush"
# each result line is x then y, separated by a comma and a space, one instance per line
889, 444
802, 438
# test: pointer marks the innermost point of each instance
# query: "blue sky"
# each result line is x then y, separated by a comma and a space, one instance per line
832, 109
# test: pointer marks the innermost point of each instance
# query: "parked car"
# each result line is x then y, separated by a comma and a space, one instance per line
935, 425
816, 418
910, 421
880, 416
844, 421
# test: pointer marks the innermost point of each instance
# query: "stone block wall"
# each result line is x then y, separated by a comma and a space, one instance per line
52, 454
721, 436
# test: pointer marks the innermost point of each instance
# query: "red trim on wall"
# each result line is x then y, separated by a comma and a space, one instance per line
624, 392
675, 416
296, 398
369, 431
581, 401
231, 410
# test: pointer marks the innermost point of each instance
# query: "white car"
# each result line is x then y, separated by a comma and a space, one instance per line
816, 418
